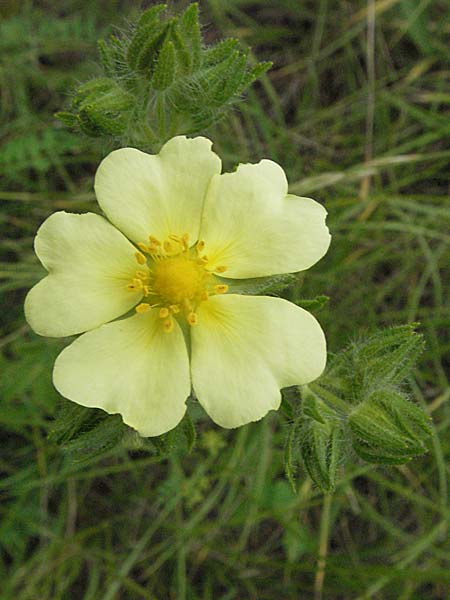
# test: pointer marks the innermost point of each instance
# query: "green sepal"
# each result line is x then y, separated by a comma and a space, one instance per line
321, 446
107, 113
147, 27
91, 89
164, 70
274, 284
190, 31
183, 56
313, 304
69, 119
388, 356
150, 48
84, 433
387, 424
181, 439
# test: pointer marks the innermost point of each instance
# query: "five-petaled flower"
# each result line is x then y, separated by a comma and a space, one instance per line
179, 234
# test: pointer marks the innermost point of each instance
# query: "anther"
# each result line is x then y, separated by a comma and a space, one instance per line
143, 247
168, 325
221, 289
143, 308
137, 283
141, 274
204, 295
192, 318
185, 240
154, 241
168, 247
174, 308
200, 246
163, 312
140, 258
221, 269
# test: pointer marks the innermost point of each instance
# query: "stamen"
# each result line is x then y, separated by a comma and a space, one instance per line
221, 289
163, 312
154, 241
168, 247
140, 258
174, 308
185, 241
192, 318
143, 247
221, 269
143, 308
168, 325
204, 295
137, 283
141, 274
200, 246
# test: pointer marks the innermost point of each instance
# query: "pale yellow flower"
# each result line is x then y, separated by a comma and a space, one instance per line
179, 231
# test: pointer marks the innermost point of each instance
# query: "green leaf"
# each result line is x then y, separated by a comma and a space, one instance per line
220, 52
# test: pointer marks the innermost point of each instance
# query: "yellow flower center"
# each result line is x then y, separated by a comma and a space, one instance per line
179, 280
176, 278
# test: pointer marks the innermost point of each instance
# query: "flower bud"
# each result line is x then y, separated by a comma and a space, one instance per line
388, 429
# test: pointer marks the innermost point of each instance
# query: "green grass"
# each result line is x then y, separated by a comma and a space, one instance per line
360, 121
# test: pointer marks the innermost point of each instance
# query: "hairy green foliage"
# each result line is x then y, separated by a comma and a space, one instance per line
360, 406
160, 81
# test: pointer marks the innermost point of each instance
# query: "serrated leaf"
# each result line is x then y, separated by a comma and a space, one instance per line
220, 52
254, 73
233, 80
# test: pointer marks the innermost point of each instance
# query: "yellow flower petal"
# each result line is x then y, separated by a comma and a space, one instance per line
158, 195
131, 367
89, 263
245, 348
251, 225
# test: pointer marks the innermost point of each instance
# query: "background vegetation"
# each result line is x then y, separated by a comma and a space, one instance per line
356, 109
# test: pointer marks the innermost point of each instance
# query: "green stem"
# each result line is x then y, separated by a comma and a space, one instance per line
323, 547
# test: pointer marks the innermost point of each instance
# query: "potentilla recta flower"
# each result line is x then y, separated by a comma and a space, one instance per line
150, 289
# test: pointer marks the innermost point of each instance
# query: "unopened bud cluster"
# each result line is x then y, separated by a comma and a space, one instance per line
160, 81
361, 407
